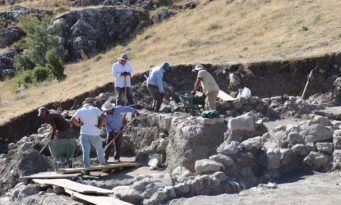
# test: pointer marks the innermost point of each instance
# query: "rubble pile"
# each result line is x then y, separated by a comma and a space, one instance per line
269, 108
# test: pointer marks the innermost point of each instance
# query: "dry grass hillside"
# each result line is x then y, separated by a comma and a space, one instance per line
214, 32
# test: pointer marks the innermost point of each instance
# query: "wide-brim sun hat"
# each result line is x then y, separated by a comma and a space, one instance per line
107, 106
89, 101
198, 67
123, 56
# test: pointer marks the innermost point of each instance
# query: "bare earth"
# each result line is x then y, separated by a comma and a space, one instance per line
317, 189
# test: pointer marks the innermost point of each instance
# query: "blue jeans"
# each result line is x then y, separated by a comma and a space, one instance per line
95, 141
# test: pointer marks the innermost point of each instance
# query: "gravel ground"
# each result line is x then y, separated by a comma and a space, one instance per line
316, 189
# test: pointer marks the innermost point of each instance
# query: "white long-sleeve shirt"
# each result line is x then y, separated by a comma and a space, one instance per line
117, 69
155, 78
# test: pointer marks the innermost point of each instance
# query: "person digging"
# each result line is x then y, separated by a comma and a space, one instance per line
209, 86
155, 84
61, 128
114, 127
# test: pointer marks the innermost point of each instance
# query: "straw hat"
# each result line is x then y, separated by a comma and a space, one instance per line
107, 106
89, 101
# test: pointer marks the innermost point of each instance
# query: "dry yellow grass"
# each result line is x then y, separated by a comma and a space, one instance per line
241, 31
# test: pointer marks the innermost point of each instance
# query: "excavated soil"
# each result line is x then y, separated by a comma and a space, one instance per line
265, 79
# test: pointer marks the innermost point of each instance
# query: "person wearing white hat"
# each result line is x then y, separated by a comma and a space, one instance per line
155, 84
122, 71
89, 118
208, 84
113, 127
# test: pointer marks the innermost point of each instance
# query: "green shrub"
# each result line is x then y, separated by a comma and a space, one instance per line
21, 44
54, 63
25, 78
40, 73
23, 62
3, 22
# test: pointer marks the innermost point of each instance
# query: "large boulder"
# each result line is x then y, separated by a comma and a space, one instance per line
251, 144
316, 133
243, 127
191, 140
10, 35
20, 162
317, 161
208, 166
144, 188
243, 123
87, 31
273, 159
225, 160
229, 148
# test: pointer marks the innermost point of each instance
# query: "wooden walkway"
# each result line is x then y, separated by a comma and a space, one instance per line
98, 168
98, 200
73, 186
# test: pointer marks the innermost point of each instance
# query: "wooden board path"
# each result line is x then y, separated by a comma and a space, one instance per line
98, 168
74, 186
98, 200
51, 175
225, 97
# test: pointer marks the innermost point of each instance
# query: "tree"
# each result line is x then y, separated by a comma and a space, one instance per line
54, 63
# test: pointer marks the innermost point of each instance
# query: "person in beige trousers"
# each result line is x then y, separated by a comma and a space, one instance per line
208, 84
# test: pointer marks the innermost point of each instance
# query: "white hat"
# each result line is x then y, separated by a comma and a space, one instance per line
123, 56
107, 106
198, 67
89, 101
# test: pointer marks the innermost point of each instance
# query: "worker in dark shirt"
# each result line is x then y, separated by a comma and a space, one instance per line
61, 128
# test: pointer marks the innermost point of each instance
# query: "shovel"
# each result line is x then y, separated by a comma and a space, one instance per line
125, 98
120, 132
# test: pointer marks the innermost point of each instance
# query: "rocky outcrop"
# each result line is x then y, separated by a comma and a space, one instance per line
85, 32
190, 140
6, 64
10, 35
163, 14
18, 11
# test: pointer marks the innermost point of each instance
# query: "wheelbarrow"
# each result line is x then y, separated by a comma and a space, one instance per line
193, 104
62, 149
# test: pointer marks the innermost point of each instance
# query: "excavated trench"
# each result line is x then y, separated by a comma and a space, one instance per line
265, 79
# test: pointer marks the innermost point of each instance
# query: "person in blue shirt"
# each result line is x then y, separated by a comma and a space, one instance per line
113, 127
155, 84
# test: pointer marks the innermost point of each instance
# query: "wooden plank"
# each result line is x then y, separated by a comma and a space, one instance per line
51, 175
98, 200
74, 186
224, 96
98, 168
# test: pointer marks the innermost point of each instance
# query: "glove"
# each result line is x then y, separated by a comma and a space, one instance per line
193, 92
162, 95
125, 74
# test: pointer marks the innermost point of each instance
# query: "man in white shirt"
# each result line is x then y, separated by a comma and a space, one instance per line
208, 84
155, 84
89, 119
122, 72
